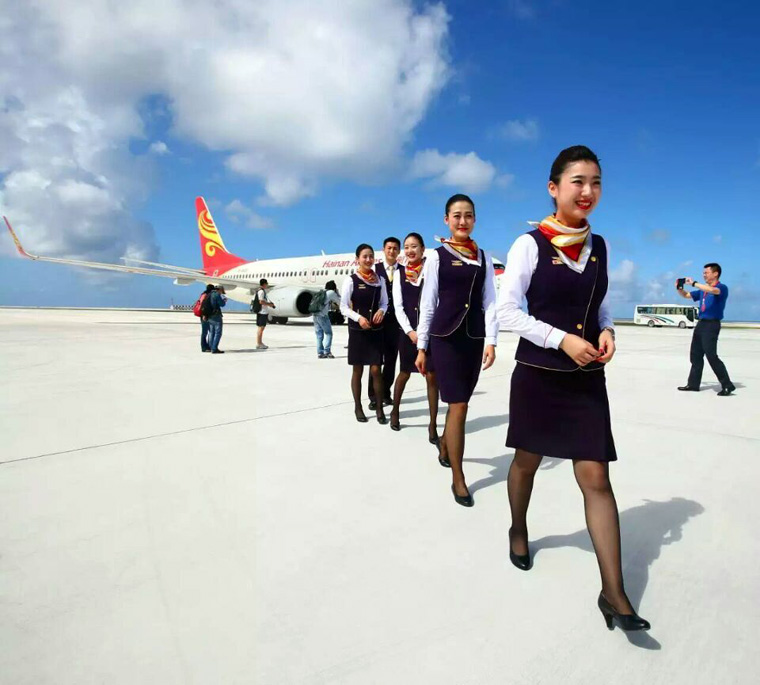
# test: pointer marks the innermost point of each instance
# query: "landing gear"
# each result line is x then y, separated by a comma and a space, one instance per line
282, 320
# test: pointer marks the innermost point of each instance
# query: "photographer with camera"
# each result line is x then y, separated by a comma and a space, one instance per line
711, 297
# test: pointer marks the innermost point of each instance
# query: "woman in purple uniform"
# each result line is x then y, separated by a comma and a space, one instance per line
457, 321
558, 401
407, 293
364, 302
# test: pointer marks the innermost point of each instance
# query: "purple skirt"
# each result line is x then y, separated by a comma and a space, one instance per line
365, 348
560, 414
407, 355
458, 360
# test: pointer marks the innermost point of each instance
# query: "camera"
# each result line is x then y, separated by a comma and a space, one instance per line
680, 283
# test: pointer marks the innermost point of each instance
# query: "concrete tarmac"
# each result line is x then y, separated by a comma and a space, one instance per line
168, 516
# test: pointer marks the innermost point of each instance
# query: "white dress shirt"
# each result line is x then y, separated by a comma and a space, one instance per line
398, 302
430, 296
521, 265
347, 291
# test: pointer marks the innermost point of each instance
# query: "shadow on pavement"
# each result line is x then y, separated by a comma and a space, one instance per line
655, 525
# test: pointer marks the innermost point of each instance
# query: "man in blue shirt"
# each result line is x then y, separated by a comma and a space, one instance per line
710, 297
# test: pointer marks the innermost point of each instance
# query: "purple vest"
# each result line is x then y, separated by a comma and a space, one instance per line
365, 300
460, 296
566, 300
412, 295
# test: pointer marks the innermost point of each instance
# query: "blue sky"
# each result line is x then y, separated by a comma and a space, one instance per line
308, 128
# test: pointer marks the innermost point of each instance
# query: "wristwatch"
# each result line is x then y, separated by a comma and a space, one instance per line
611, 330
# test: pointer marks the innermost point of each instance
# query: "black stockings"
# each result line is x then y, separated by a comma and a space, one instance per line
356, 387
452, 444
432, 395
601, 517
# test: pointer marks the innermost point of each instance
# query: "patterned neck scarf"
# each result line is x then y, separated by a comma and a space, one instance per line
564, 238
467, 248
413, 271
368, 276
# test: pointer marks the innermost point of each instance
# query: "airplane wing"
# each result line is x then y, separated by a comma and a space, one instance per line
182, 275
187, 270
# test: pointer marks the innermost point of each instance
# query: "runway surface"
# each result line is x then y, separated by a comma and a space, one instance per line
168, 516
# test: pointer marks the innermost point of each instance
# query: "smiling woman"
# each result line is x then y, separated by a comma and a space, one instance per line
558, 402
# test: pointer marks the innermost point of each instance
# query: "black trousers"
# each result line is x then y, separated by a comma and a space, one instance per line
390, 355
704, 343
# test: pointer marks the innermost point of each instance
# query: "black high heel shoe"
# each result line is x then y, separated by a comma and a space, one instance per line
381, 418
521, 561
627, 622
395, 425
435, 440
465, 501
360, 417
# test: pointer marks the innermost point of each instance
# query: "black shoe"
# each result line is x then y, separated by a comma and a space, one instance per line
521, 561
465, 501
387, 401
208, 349
627, 622
688, 388
726, 391
372, 405
360, 417
217, 351
435, 440
381, 419
395, 425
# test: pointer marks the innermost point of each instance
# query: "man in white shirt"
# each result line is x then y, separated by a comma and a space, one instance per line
387, 268
262, 318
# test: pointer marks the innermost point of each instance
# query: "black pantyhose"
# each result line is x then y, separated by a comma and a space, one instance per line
604, 527
356, 388
432, 395
601, 517
453, 439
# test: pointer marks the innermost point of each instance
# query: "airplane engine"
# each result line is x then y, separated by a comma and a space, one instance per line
290, 301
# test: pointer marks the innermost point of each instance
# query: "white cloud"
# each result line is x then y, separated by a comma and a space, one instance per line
519, 131
467, 172
159, 148
237, 211
293, 92
624, 274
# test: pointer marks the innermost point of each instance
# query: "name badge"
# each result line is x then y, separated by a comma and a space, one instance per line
362, 286
456, 262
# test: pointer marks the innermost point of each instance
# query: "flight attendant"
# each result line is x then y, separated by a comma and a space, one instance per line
558, 402
407, 292
457, 321
363, 302
388, 267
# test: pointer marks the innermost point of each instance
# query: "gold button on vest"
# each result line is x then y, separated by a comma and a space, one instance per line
580, 326
466, 306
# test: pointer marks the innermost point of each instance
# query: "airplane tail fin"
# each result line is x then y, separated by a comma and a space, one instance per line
216, 258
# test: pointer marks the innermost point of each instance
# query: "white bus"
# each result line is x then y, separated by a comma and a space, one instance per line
681, 315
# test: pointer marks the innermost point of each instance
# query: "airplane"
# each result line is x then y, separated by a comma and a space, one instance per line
293, 281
